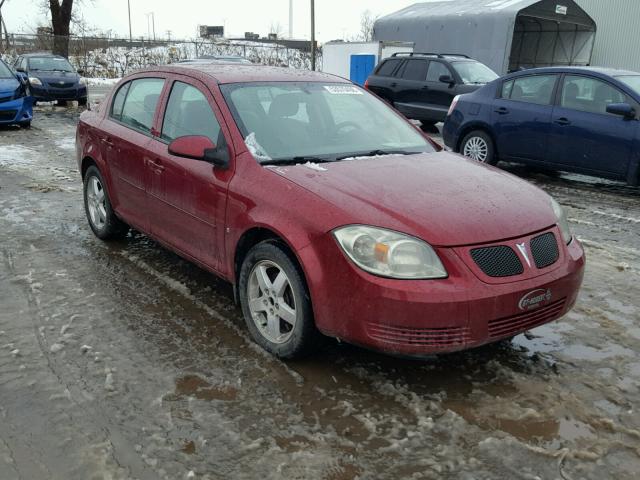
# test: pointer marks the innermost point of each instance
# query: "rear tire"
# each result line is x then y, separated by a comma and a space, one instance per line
102, 219
478, 146
275, 302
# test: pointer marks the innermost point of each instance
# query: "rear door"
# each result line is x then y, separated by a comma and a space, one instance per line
383, 82
584, 136
187, 198
439, 95
124, 137
521, 116
411, 96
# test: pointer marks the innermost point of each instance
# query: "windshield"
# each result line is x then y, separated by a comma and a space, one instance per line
474, 72
5, 72
318, 121
51, 64
632, 80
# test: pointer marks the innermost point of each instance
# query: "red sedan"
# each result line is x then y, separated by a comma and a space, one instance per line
326, 209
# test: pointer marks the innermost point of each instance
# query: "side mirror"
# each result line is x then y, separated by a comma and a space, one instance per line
447, 79
623, 109
198, 147
21, 70
80, 72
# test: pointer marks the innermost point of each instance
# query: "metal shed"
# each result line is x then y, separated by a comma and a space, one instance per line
504, 34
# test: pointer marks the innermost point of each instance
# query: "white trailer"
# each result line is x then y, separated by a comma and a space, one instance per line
355, 60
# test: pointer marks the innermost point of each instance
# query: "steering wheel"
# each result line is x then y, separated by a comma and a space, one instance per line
347, 124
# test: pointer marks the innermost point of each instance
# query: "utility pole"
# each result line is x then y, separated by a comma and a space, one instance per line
290, 18
153, 24
313, 35
129, 8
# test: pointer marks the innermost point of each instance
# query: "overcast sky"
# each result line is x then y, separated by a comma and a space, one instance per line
334, 18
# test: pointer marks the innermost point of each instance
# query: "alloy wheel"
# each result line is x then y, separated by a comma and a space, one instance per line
271, 301
476, 148
96, 203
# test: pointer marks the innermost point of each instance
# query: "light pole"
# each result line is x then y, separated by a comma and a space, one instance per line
129, 8
313, 35
153, 23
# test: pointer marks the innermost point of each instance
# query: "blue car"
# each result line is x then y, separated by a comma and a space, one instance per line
15, 102
52, 78
577, 119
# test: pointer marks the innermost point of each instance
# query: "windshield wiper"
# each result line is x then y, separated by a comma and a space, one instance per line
296, 160
375, 153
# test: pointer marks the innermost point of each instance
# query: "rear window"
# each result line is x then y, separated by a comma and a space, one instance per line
387, 68
536, 89
415, 70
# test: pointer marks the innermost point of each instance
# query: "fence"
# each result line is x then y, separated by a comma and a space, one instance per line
110, 57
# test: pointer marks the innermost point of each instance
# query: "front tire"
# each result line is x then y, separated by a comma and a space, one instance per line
82, 102
102, 219
26, 124
275, 302
478, 146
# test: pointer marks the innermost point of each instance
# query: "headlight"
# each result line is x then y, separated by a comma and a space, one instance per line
35, 81
388, 253
563, 223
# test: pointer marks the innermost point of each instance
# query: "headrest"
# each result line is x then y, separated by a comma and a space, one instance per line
285, 105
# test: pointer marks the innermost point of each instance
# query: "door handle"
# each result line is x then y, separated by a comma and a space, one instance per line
107, 141
502, 111
155, 164
563, 121
394, 85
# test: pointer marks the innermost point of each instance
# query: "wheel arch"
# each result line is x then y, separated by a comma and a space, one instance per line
252, 237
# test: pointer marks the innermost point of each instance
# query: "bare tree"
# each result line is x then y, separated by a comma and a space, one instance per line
367, 21
3, 27
61, 21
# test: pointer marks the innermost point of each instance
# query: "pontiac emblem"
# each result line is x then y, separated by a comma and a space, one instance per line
534, 299
523, 251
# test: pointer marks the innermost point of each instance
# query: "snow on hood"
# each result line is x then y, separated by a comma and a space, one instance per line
441, 197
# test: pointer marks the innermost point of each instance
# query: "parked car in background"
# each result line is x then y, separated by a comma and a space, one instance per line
423, 85
52, 78
576, 119
390, 242
15, 101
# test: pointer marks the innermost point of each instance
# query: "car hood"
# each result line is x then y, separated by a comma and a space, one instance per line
47, 76
441, 197
8, 85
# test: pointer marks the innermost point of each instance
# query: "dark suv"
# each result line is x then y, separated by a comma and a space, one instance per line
422, 85
52, 77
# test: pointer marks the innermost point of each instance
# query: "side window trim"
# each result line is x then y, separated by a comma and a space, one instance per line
150, 133
553, 99
211, 100
560, 91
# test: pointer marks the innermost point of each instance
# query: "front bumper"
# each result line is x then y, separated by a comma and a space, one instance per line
49, 94
433, 316
16, 111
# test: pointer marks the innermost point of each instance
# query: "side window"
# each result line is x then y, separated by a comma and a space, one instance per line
436, 70
189, 113
589, 94
536, 89
118, 101
141, 102
415, 70
387, 68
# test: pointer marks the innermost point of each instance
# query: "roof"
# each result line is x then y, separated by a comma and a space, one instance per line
242, 73
612, 72
462, 7
41, 54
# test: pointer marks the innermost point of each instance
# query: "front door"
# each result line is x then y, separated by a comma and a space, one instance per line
584, 137
187, 198
521, 117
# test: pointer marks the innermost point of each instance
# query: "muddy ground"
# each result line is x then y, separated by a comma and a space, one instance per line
123, 361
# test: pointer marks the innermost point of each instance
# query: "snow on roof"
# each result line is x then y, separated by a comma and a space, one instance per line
461, 7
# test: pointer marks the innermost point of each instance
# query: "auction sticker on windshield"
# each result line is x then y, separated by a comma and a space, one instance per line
342, 90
